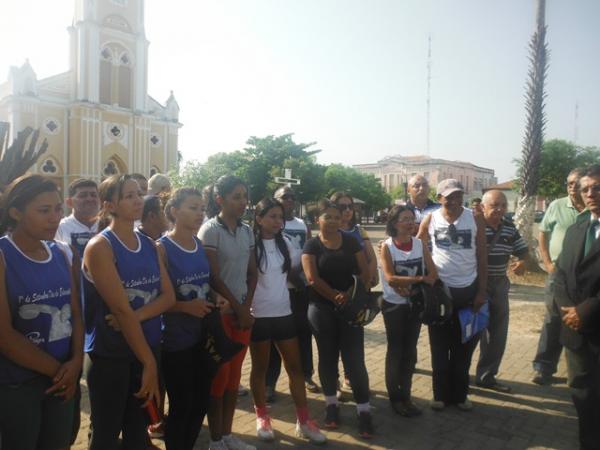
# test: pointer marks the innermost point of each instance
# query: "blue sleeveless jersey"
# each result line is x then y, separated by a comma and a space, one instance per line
140, 275
39, 300
355, 233
189, 272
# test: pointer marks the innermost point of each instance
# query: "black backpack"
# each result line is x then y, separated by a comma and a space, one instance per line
434, 304
362, 306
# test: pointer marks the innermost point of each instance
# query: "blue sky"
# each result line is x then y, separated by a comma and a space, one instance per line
349, 74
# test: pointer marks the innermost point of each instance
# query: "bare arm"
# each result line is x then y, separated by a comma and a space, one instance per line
365, 274
432, 273
544, 246
371, 261
423, 233
309, 264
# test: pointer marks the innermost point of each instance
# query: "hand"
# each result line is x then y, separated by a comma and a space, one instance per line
198, 307
429, 279
340, 298
245, 319
518, 267
66, 379
149, 386
479, 301
112, 322
570, 317
550, 267
380, 245
403, 291
223, 304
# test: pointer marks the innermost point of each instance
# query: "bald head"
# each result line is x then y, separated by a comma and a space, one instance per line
418, 189
494, 205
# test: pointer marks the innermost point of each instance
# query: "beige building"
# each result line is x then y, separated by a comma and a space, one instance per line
394, 171
97, 117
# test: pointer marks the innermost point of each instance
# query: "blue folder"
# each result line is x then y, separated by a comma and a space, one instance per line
472, 322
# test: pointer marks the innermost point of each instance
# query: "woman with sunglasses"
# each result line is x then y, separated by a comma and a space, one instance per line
459, 251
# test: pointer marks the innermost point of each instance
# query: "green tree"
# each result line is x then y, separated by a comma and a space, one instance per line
558, 158
359, 185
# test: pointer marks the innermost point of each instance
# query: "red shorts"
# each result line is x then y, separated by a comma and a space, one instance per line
229, 374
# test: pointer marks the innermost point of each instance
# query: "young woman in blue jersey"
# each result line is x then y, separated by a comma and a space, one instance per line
229, 245
187, 368
329, 261
274, 322
41, 332
405, 261
126, 290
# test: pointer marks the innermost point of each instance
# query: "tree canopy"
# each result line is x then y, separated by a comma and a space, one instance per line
265, 158
558, 158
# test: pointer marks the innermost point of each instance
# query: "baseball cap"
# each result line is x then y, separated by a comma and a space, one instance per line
157, 183
448, 186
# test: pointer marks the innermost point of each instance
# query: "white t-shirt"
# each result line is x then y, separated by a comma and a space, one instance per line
72, 232
406, 264
271, 297
296, 231
454, 253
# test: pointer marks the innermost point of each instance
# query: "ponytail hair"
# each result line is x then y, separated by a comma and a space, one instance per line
177, 198
223, 186
261, 210
19, 194
110, 189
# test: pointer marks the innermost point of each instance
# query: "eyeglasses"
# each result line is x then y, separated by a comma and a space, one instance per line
595, 189
345, 206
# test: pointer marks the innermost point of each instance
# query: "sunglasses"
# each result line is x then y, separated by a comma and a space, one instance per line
343, 207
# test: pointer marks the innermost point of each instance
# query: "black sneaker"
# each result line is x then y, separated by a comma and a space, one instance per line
311, 386
495, 386
406, 409
332, 417
365, 425
543, 379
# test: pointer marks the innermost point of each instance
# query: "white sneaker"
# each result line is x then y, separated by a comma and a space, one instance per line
467, 405
437, 405
234, 443
264, 430
217, 445
310, 430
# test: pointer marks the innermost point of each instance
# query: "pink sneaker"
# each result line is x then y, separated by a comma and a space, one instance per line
310, 430
264, 430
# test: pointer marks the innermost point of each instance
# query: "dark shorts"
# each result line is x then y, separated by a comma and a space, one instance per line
273, 329
32, 420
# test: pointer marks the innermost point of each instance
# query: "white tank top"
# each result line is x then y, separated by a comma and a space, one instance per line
454, 253
406, 264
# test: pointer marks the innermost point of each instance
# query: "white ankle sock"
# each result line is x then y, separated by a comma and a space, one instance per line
363, 407
331, 400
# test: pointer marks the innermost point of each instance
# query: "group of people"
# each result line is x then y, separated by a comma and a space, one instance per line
137, 282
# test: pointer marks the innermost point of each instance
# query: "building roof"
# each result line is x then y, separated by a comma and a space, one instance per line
506, 186
420, 160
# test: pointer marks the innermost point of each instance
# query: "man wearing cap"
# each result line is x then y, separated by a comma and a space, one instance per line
503, 241
577, 294
459, 252
559, 216
159, 184
419, 201
298, 233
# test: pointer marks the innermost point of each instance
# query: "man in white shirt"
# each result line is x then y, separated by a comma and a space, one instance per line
78, 228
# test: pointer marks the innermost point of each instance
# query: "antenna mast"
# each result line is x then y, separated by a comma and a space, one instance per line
427, 145
576, 126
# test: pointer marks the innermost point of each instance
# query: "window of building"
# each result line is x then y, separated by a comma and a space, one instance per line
110, 168
49, 167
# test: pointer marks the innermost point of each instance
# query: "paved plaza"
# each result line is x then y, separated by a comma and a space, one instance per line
532, 417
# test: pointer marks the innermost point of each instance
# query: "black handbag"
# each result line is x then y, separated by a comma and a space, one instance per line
362, 306
219, 347
436, 307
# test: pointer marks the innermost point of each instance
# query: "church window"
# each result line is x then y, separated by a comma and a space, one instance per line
125, 59
155, 140
49, 167
116, 131
110, 168
106, 54
125, 86
51, 125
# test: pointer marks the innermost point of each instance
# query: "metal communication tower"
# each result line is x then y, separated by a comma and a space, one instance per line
427, 145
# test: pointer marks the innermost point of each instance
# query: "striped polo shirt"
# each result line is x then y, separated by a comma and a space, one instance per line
509, 243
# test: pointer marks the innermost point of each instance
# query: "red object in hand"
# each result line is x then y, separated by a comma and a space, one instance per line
152, 413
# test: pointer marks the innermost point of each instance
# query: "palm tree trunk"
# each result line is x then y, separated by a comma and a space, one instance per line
534, 130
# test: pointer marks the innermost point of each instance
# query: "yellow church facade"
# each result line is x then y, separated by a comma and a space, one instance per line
97, 117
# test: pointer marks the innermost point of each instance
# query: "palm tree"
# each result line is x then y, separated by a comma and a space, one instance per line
19, 157
534, 130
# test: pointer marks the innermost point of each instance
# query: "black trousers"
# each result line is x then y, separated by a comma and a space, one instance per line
299, 304
188, 377
402, 328
111, 385
549, 346
335, 336
450, 358
583, 367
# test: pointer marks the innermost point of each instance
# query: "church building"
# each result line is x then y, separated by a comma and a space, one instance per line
97, 117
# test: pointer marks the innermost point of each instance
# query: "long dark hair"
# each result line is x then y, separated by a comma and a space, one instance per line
223, 186
390, 226
177, 198
261, 210
19, 194
337, 196
107, 191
